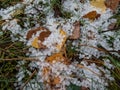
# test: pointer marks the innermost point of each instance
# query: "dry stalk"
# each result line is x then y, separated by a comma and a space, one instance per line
81, 66
28, 79
26, 59
100, 49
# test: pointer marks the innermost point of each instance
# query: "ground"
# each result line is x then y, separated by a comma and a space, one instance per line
59, 45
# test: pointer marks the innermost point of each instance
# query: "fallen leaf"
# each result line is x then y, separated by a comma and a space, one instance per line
100, 4
76, 31
57, 57
45, 71
112, 4
56, 80
64, 35
46, 75
112, 26
92, 15
37, 41
84, 88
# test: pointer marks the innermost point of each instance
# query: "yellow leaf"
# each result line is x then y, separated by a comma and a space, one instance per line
99, 4
35, 43
64, 35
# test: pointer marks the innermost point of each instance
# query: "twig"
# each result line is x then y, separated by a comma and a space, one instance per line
81, 66
100, 49
114, 29
28, 79
9, 46
97, 62
27, 59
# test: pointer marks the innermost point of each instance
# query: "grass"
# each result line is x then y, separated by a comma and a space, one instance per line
115, 73
9, 50
115, 60
7, 3
56, 6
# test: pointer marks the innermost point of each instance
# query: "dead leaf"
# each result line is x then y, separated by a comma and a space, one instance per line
34, 31
112, 4
112, 26
76, 31
64, 35
84, 88
92, 15
56, 80
44, 34
57, 57
45, 71
100, 4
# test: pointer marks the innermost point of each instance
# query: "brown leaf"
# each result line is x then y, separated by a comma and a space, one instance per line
112, 4
34, 31
112, 26
84, 88
92, 15
76, 31
44, 34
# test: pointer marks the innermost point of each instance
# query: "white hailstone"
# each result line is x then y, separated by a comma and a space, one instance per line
27, 1
20, 83
117, 44
108, 64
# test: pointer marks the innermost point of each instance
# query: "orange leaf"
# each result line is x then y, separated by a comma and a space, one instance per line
57, 57
45, 71
56, 80
92, 15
